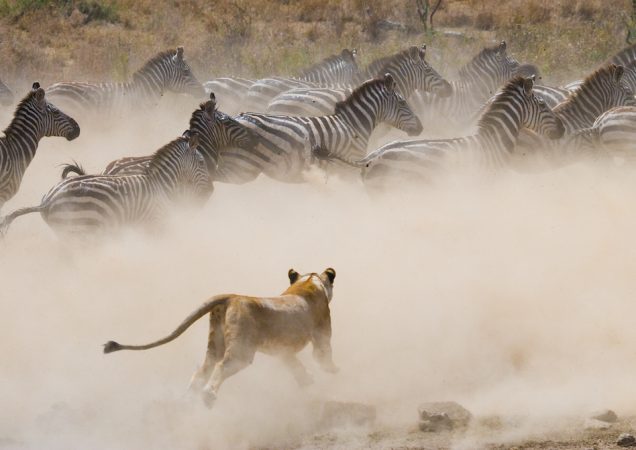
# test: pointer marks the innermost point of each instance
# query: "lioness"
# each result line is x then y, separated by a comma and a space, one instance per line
240, 326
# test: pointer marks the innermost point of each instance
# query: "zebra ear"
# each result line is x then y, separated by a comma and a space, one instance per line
423, 52
179, 55
39, 94
35, 86
389, 82
502, 47
293, 276
617, 72
193, 139
528, 84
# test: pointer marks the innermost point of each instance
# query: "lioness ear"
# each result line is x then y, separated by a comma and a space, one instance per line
293, 276
331, 274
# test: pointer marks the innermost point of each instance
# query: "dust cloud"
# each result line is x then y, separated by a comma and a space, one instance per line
512, 295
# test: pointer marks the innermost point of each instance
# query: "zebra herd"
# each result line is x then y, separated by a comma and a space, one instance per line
325, 116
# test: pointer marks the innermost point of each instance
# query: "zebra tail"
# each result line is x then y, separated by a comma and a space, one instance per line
72, 168
112, 346
322, 154
6, 221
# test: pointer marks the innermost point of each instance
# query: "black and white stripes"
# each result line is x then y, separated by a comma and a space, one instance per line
167, 71
285, 150
34, 118
100, 203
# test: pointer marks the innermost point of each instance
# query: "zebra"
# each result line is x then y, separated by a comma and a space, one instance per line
613, 133
408, 68
286, 142
6, 96
600, 91
216, 132
33, 119
233, 91
167, 71
100, 203
478, 81
491, 148
334, 71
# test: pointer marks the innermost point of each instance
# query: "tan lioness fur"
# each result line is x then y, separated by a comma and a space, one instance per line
240, 326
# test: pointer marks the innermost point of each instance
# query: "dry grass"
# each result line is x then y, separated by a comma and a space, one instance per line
88, 39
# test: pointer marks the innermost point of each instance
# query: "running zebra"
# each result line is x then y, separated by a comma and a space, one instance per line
491, 148
613, 133
34, 118
478, 81
334, 71
167, 71
216, 131
285, 150
100, 203
600, 91
408, 68
6, 96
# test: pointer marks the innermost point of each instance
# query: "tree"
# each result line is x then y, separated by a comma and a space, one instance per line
427, 13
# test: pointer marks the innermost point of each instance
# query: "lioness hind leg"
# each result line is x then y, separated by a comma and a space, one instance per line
213, 354
303, 378
231, 363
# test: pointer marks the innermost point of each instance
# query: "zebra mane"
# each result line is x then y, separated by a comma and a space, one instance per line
156, 59
511, 89
23, 103
485, 54
589, 85
345, 57
357, 93
380, 65
164, 154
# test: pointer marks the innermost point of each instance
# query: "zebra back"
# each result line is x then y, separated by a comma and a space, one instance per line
335, 69
600, 91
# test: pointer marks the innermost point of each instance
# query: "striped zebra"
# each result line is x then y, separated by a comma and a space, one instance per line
216, 132
614, 133
101, 203
491, 148
602, 90
478, 81
6, 96
285, 149
167, 71
33, 119
335, 69
408, 68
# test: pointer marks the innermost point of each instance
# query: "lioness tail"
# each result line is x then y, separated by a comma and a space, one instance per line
112, 346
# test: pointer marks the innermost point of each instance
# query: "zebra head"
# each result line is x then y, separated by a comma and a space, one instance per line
181, 161
179, 77
490, 68
535, 113
393, 109
50, 120
427, 78
6, 96
218, 131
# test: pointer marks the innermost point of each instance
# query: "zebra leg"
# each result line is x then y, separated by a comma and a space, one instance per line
302, 377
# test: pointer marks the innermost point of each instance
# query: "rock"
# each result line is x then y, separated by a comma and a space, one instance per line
626, 440
606, 415
594, 424
345, 413
442, 414
436, 422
